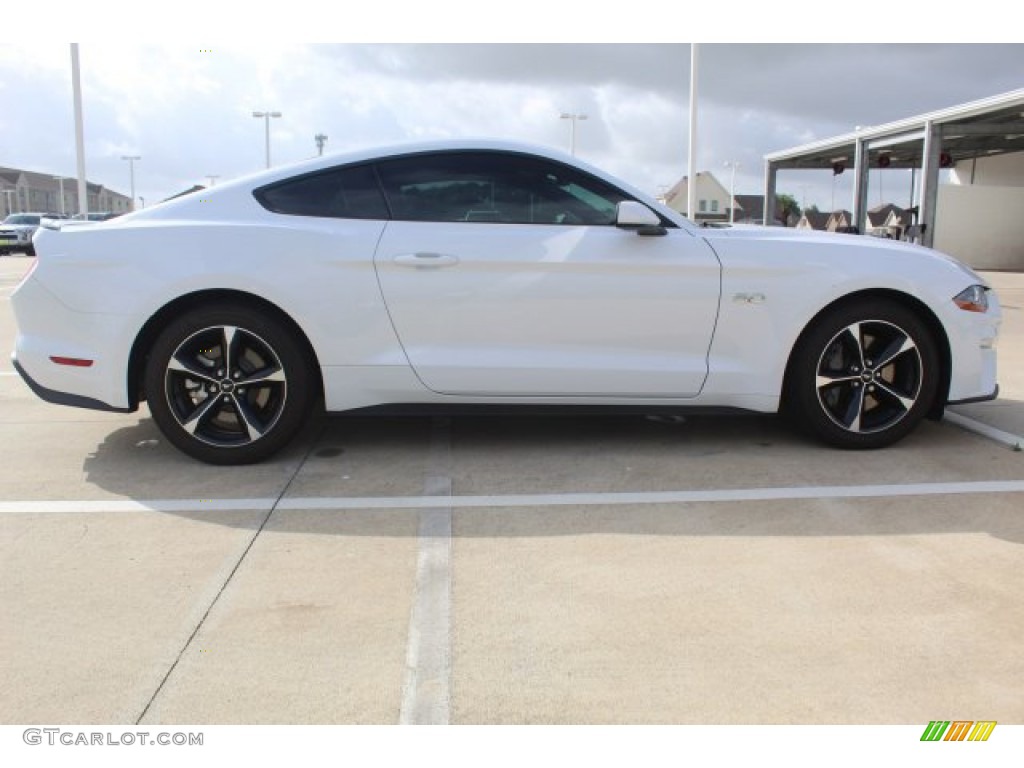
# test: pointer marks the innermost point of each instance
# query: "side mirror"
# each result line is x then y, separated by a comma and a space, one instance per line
630, 214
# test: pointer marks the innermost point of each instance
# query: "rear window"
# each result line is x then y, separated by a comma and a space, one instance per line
20, 218
340, 193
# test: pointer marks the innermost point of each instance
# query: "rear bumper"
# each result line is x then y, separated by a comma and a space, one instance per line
48, 329
64, 398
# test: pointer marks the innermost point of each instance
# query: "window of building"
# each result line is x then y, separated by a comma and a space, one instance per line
703, 206
714, 206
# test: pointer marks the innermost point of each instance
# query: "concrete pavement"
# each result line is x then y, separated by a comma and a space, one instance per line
241, 605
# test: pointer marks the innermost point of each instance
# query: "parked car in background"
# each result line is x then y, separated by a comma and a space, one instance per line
486, 273
16, 231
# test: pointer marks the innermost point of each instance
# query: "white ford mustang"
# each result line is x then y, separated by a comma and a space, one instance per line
486, 273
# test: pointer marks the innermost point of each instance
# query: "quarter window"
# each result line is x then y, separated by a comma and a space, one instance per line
351, 192
495, 187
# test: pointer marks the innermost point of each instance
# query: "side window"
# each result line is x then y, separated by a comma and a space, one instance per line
340, 193
495, 187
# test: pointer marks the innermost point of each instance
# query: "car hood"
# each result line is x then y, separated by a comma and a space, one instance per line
837, 243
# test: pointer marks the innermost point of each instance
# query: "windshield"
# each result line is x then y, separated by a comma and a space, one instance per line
22, 218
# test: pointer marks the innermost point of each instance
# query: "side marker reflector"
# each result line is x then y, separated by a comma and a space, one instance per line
75, 361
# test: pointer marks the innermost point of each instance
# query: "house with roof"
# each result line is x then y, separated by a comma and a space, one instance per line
712, 198
749, 209
29, 191
889, 221
839, 221
812, 219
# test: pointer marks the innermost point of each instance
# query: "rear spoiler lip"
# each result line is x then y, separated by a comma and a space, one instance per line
58, 224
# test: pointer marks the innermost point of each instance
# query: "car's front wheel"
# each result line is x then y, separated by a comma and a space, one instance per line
228, 385
864, 375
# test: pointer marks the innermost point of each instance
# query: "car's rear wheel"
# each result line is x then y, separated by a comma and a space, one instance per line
228, 385
864, 375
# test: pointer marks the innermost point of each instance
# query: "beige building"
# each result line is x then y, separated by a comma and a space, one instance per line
712, 198
27, 191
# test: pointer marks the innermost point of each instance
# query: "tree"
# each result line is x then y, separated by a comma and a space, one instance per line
811, 209
786, 208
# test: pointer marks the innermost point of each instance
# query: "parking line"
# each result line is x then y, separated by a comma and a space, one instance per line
426, 685
627, 498
992, 433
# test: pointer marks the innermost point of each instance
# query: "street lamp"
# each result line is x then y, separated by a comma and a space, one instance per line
266, 116
320, 140
213, 178
131, 169
573, 117
732, 189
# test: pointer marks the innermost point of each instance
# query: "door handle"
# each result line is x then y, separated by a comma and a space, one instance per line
424, 259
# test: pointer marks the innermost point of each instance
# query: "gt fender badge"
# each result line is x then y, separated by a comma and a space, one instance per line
749, 298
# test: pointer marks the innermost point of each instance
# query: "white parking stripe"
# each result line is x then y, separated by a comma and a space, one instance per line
117, 505
1006, 438
425, 689
343, 503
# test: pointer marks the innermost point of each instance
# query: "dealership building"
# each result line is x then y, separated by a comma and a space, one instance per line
966, 168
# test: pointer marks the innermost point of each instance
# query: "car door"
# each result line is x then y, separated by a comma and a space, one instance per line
505, 275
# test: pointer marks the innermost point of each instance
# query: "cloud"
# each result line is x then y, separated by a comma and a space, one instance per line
188, 109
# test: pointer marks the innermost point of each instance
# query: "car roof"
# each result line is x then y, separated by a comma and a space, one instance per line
246, 184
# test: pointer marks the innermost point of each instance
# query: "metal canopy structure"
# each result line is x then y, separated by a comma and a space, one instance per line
928, 142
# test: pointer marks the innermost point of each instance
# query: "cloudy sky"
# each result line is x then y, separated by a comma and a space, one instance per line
187, 108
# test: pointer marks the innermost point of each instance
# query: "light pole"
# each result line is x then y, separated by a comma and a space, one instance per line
131, 170
266, 116
320, 140
76, 89
573, 118
732, 189
213, 179
142, 200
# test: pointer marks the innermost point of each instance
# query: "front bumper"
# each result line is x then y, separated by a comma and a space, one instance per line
981, 399
972, 340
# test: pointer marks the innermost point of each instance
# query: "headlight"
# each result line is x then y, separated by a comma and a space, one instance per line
973, 299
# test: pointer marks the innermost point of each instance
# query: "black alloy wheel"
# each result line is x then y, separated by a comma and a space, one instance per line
228, 385
864, 375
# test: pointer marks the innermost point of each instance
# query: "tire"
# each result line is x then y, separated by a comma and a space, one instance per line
229, 384
864, 375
